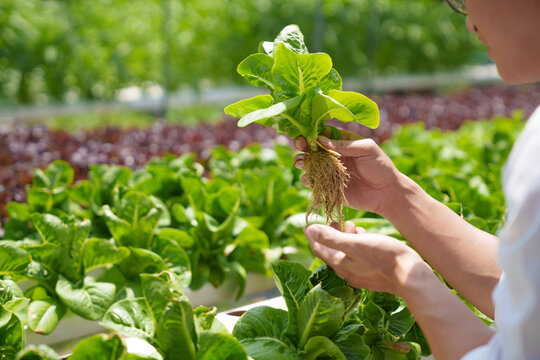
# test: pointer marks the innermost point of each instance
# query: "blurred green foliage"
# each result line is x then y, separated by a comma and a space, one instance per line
196, 113
192, 114
56, 50
90, 120
462, 169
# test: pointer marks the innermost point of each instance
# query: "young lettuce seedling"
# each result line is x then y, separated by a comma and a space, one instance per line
305, 91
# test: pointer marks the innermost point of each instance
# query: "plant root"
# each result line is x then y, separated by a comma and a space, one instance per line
327, 177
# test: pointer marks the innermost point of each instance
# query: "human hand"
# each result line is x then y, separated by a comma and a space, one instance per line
373, 176
369, 261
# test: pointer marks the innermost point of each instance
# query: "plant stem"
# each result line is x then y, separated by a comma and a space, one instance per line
336, 154
304, 131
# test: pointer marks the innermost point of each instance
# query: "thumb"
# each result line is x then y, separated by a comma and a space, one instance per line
356, 148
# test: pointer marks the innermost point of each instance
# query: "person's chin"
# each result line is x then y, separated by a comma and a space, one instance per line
512, 75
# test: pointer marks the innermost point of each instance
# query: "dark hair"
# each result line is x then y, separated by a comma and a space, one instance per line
458, 6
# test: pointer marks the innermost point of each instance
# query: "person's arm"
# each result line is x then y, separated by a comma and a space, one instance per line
465, 256
381, 263
449, 326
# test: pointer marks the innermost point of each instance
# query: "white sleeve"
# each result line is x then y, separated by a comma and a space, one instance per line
517, 296
490, 351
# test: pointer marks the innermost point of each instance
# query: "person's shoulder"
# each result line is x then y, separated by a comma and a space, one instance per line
534, 121
526, 150
521, 176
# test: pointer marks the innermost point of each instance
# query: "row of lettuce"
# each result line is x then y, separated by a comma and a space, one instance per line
120, 247
326, 318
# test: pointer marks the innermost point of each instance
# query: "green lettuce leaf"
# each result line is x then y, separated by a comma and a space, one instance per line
131, 317
50, 187
180, 237
13, 300
205, 319
353, 346
41, 352
322, 346
139, 349
88, 299
262, 322
19, 211
269, 349
176, 331
159, 290
332, 81
262, 116
257, 70
13, 260
101, 346
292, 38
338, 287
141, 261
175, 258
101, 252
133, 220
292, 281
346, 106
63, 244
219, 346
44, 315
11, 334
319, 314
295, 74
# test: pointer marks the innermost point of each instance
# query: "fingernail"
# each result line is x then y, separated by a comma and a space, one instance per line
297, 142
324, 139
312, 232
299, 163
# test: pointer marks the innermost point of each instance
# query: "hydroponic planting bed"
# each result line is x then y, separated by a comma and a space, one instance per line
158, 235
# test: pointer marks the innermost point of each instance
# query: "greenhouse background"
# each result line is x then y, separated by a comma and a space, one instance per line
55, 51
133, 207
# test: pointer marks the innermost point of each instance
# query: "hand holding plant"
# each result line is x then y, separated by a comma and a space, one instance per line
372, 174
369, 261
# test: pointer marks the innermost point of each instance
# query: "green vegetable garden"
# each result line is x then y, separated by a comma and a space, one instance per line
154, 248
55, 50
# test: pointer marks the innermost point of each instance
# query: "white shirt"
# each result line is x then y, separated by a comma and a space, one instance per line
517, 296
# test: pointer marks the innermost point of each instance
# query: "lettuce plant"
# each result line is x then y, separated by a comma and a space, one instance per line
272, 197
305, 91
164, 320
59, 263
222, 242
158, 325
12, 318
48, 193
328, 319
